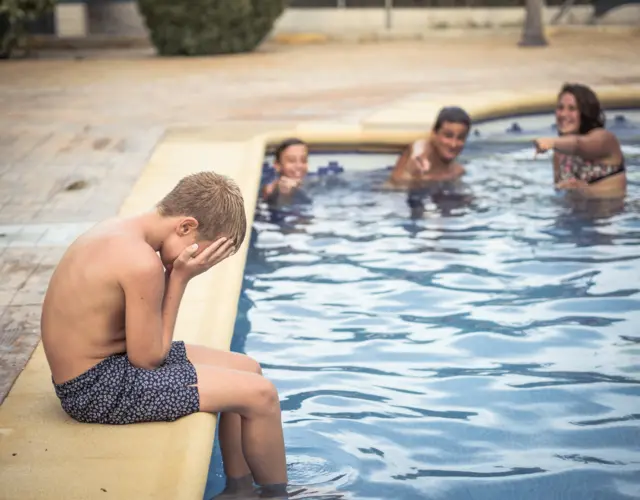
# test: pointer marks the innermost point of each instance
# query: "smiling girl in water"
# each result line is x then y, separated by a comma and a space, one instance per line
587, 158
291, 164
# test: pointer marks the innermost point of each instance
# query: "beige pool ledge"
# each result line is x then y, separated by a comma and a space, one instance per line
46, 455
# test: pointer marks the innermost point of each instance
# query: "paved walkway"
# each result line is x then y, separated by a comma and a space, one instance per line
75, 131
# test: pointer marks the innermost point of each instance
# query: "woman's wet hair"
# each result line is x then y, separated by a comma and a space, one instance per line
293, 141
591, 114
452, 114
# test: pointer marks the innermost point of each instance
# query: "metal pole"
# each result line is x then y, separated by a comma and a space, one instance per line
388, 7
533, 30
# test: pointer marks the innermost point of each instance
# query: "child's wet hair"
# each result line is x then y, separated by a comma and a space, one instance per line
292, 141
452, 114
214, 200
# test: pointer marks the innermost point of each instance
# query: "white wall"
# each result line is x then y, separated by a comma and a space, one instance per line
71, 20
115, 18
123, 18
342, 21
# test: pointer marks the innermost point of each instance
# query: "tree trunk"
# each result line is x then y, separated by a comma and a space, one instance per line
533, 30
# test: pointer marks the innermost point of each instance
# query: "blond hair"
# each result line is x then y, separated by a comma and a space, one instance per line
214, 200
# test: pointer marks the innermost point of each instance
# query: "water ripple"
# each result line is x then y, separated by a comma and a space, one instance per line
453, 473
604, 421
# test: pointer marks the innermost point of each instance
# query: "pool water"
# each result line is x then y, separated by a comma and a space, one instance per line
483, 346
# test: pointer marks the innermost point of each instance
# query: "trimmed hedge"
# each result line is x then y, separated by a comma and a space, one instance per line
15, 17
204, 27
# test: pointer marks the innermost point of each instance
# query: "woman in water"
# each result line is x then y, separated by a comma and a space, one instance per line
587, 158
291, 166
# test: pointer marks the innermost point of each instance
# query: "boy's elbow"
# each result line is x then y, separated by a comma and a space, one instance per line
144, 365
146, 362
147, 366
399, 173
395, 177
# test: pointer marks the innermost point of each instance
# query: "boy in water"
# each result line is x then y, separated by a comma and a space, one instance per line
107, 330
429, 166
434, 159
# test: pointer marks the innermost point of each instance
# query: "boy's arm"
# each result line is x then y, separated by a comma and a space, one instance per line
270, 191
150, 309
455, 172
399, 172
406, 168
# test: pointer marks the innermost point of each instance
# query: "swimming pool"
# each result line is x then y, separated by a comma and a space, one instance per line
483, 348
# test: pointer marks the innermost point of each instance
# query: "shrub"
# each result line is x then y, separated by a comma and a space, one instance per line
15, 16
202, 27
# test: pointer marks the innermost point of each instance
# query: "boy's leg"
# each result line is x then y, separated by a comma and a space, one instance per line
201, 355
229, 424
256, 400
235, 465
233, 442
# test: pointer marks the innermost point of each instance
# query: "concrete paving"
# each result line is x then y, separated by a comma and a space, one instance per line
77, 128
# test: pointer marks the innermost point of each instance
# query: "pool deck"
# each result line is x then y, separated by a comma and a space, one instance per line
97, 134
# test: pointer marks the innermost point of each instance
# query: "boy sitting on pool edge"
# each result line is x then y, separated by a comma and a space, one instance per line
108, 321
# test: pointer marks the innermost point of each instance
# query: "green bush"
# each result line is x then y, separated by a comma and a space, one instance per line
15, 16
202, 27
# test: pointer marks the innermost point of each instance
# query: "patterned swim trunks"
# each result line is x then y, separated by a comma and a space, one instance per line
116, 392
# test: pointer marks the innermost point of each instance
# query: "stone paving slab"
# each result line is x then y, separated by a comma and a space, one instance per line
56, 181
77, 128
25, 273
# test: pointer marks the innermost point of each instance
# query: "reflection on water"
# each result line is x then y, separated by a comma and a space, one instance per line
485, 346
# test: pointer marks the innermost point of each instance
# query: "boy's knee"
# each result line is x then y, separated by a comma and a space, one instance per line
266, 398
255, 366
251, 365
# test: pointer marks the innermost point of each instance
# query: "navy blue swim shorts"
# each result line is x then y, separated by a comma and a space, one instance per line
116, 392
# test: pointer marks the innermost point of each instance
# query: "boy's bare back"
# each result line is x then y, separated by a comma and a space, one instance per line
83, 315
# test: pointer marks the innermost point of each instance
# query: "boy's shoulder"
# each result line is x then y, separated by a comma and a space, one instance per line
125, 251
458, 169
136, 255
